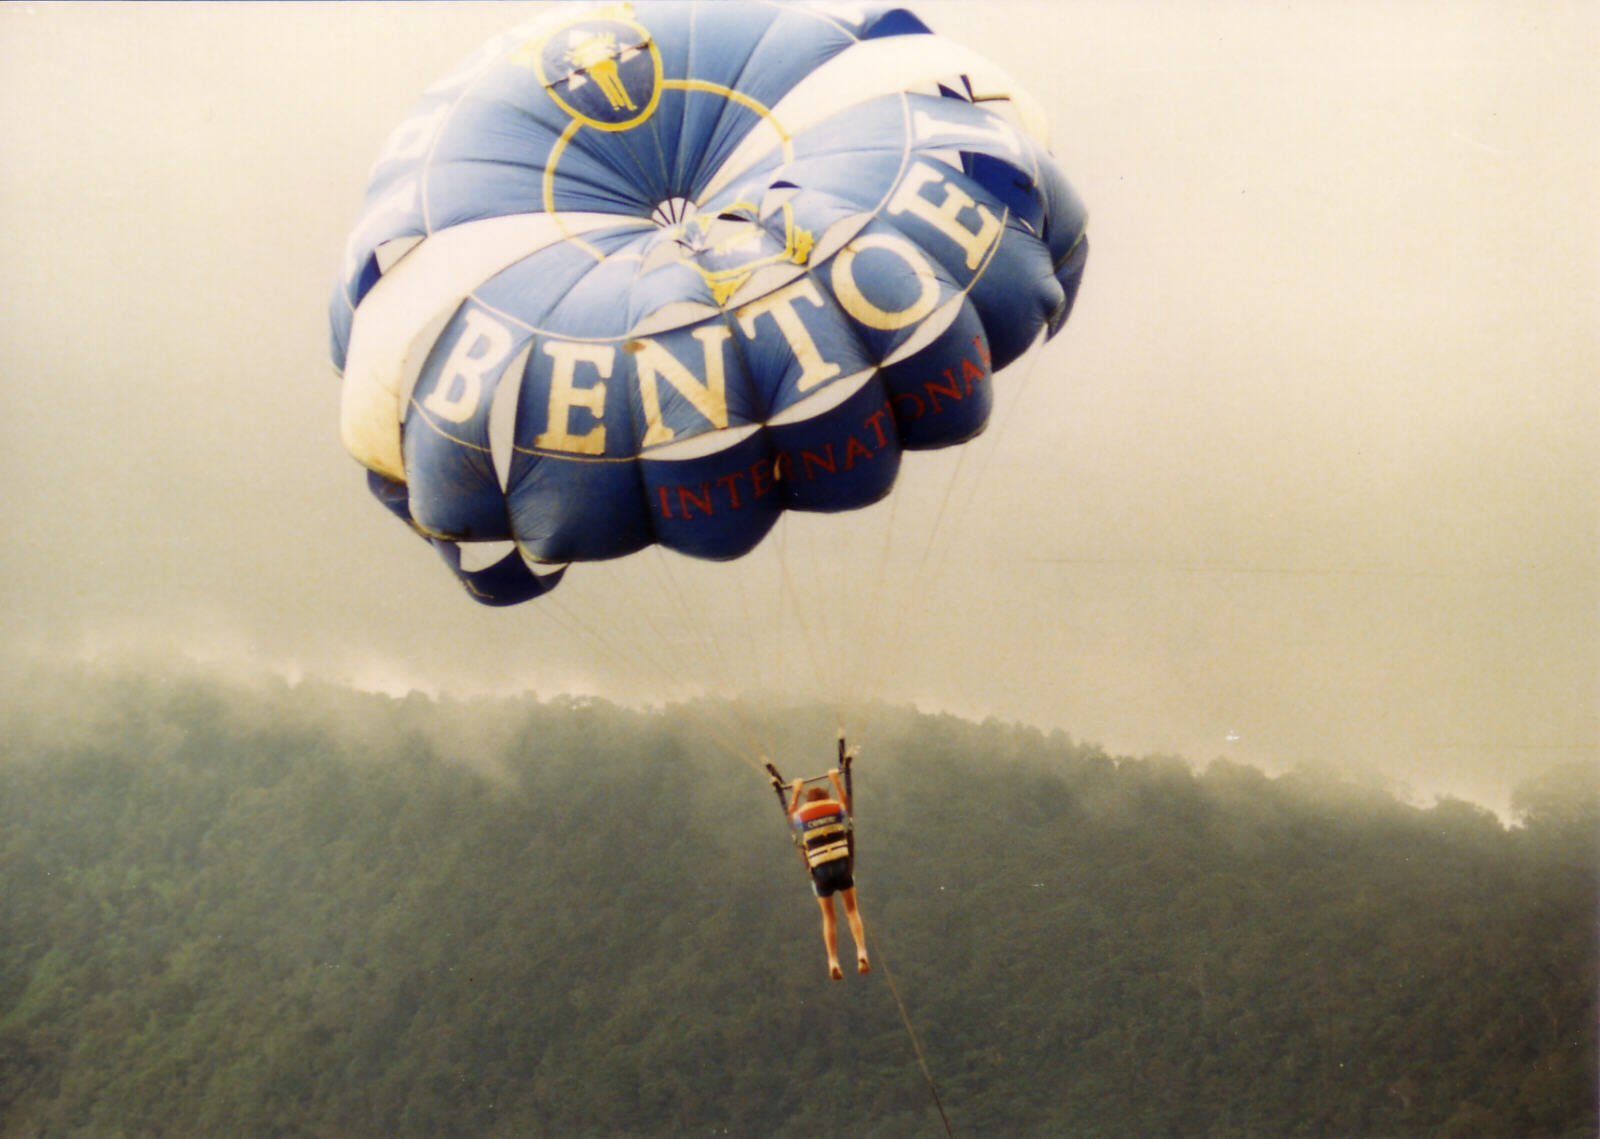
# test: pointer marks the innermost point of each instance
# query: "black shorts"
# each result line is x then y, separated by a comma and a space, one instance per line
830, 877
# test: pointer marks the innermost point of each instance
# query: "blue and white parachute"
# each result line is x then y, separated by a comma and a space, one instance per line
658, 272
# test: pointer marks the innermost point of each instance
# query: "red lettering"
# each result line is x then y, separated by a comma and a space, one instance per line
970, 372
853, 448
935, 390
761, 475
982, 346
916, 406
687, 497
828, 463
731, 483
875, 421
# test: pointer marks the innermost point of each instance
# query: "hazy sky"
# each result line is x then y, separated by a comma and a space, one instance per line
1310, 477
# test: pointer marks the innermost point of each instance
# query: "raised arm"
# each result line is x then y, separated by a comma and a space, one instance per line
794, 795
838, 789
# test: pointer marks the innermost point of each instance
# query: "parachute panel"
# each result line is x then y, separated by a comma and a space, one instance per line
655, 275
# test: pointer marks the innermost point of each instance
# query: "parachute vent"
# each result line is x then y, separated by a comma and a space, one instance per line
672, 211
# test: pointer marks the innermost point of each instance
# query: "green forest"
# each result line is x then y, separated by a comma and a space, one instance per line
253, 908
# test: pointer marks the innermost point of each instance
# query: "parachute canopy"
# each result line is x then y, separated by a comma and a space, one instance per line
656, 273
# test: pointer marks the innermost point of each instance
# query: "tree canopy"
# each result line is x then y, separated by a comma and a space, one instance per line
272, 910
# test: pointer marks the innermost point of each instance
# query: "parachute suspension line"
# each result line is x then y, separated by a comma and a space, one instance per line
944, 505
870, 682
838, 603
554, 608
769, 600
958, 506
654, 662
881, 611
574, 625
926, 579
1027, 370
1004, 416
694, 631
747, 652
897, 617
829, 573
931, 571
708, 648
798, 608
767, 595
561, 614
882, 963
821, 615
864, 681
881, 576
659, 667
889, 617
755, 653
821, 610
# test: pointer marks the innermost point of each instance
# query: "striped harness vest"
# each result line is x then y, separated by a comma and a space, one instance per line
824, 831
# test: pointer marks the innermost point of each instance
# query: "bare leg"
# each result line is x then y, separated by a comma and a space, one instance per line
852, 914
830, 937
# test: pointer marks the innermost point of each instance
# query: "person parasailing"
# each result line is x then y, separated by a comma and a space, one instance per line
824, 832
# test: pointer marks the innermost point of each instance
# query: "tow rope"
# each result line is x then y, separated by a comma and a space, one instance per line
779, 786
905, 1019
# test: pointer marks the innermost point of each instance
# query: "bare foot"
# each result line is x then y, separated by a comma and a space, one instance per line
862, 966
834, 971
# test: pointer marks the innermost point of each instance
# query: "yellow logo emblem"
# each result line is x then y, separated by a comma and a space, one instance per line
602, 68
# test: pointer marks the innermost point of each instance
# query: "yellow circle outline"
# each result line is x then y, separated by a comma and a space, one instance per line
537, 59
578, 123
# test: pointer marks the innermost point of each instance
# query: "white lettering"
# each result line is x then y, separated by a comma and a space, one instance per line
855, 302
710, 399
780, 306
482, 345
565, 395
945, 216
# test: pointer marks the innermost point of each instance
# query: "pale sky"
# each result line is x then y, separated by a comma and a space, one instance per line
1311, 477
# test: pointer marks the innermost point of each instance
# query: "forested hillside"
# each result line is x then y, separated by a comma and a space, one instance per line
251, 909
